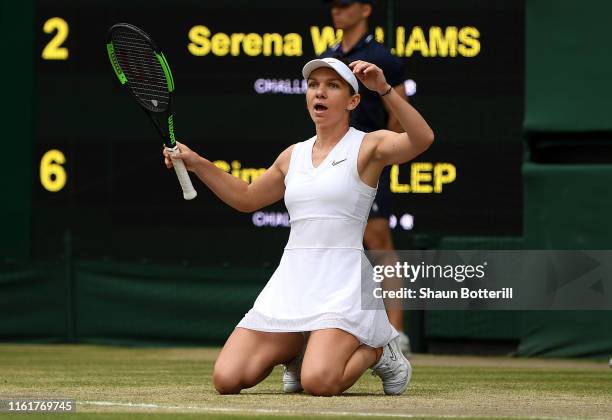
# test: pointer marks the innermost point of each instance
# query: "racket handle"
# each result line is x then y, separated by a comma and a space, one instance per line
189, 193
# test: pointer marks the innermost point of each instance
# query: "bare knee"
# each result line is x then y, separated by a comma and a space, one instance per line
321, 383
232, 381
226, 382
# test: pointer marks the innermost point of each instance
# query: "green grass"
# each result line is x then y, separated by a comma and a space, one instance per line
111, 383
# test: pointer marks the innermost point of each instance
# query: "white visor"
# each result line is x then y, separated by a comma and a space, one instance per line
338, 66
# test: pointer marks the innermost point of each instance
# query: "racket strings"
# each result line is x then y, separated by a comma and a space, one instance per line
144, 73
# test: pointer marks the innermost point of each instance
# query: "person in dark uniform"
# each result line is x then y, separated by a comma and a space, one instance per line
358, 43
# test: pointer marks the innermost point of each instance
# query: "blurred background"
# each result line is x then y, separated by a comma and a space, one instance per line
98, 246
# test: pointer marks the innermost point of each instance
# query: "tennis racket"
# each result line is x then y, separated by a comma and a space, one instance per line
142, 68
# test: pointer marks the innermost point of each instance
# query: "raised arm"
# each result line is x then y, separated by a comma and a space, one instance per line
392, 122
265, 190
391, 147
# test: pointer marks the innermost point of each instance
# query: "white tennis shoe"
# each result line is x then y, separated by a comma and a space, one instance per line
404, 343
292, 375
393, 368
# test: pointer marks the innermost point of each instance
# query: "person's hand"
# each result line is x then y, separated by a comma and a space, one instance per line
370, 75
188, 156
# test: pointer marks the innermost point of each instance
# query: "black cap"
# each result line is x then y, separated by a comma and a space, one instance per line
348, 2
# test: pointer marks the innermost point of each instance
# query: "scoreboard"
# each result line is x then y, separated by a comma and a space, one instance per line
98, 171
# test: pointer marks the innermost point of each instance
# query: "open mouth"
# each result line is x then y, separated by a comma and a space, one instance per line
319, 108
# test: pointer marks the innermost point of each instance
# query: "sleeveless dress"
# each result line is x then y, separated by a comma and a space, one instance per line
318, 283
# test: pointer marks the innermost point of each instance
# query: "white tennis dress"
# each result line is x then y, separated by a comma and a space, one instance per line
318, 283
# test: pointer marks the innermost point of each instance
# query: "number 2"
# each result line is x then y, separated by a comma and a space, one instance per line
54, 50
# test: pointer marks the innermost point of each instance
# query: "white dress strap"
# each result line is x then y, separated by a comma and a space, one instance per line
355, 147
297, 160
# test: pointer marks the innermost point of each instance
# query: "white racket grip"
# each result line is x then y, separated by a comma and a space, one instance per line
189, 193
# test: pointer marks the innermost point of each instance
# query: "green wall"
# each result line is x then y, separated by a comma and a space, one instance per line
16, 73
569, 65
568, 127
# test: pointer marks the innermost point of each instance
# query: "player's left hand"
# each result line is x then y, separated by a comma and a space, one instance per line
370, 75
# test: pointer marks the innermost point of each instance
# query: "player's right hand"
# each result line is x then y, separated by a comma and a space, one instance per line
188, 156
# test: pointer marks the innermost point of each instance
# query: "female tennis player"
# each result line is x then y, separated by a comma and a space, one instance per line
309, 315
